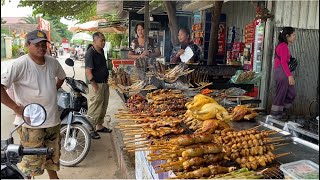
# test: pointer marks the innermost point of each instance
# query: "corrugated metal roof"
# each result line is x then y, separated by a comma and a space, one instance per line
239, 13
13, 20
298, 14
306, 51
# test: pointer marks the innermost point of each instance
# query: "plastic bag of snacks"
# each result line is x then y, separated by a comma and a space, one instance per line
245, 77
235, 91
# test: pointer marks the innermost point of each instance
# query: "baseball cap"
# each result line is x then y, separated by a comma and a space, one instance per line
36, 36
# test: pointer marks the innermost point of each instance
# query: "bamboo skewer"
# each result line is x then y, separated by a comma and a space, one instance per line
134, 141
125, 123
274, 138
134, 130
150, 148
138, 150
126, 120
133, 144
124, 128
133, 138
254, 127
137, 145
134, 133
276, 145
277, 140
283, 154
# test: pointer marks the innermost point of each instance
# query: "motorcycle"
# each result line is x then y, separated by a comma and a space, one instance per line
74, 55
11, 154
75, 124
61, 50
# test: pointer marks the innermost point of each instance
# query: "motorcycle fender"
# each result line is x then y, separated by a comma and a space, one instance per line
79, 120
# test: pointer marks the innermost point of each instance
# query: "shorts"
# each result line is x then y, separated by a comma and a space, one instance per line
34, 165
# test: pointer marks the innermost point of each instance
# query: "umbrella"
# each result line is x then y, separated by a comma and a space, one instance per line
81, 36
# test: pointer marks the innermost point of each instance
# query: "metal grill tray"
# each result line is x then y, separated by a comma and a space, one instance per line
299, 148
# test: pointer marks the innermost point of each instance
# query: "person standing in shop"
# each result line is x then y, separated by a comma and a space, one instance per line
285, 91
137, 45
97, 74
185, 41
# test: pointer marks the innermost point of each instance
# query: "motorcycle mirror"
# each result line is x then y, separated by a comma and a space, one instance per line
69, 62
34, 114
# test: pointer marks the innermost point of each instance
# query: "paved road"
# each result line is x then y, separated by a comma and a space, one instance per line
101, 162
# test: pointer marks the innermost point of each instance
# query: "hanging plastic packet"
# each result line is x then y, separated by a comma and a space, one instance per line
235, 92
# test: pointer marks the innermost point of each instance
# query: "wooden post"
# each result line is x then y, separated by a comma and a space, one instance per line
215, 20
267, 59
173, 22
146, 25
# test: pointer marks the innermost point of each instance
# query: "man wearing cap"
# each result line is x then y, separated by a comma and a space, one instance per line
35, 78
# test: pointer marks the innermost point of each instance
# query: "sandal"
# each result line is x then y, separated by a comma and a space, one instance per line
105, 130
95, 135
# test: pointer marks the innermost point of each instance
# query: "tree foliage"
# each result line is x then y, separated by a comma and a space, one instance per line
58, 30
29, 20
3, 21
5, 30
80, 10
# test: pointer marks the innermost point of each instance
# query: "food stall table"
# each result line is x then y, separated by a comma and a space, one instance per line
299, 150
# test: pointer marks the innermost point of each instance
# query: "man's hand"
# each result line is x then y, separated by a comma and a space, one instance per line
95, 87
18, 110
181, 51
144, 54
27, 120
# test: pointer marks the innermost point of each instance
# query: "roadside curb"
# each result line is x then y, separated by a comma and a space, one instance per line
126, 160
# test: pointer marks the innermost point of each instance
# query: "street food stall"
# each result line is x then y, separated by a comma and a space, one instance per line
177, 127
195, 121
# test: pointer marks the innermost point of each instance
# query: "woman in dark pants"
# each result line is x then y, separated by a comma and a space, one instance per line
285, 91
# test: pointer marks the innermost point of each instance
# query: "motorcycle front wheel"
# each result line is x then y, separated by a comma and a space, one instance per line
77, 146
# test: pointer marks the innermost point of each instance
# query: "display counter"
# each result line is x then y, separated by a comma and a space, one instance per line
298, 149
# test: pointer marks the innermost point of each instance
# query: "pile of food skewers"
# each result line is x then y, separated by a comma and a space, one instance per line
122, 81
156, 115
214, 150
171, 75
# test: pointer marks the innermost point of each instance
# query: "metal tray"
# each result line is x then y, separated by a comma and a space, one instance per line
299, 148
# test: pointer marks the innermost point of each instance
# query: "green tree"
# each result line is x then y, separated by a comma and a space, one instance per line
5, 30
58, 30
3, 21
58, 27
29, 20
80, 10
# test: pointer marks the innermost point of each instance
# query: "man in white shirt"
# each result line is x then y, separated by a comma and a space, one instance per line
35, 78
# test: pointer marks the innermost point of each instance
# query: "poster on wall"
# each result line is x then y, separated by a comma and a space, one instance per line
258, 45
221, 39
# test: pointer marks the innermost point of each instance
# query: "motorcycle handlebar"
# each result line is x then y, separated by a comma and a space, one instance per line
37, 151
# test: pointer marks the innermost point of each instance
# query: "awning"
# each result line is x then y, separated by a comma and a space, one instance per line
198, 5
101, 25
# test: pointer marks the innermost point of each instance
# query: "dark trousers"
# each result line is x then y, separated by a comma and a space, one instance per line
284, 95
